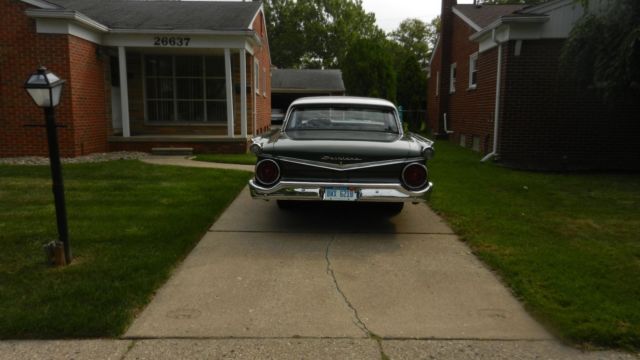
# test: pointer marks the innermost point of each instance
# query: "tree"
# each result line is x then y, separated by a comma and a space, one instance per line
414, 36
316, 33
368, 69
290, 24
603, 50
413, 43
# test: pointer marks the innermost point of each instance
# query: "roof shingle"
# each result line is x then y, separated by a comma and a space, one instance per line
484, 15
307, 79
166, 14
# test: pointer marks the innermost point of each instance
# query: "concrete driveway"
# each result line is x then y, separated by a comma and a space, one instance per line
333, 271
337, 281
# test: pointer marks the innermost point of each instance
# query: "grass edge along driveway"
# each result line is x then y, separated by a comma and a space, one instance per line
243, 159
130, 224
568, 245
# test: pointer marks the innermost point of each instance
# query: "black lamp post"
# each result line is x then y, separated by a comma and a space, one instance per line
46, 88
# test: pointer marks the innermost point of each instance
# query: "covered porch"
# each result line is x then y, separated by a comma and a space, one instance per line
196, 91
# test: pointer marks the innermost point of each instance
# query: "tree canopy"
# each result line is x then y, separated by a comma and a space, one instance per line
603, 50
416, 37
316, 33
341, 34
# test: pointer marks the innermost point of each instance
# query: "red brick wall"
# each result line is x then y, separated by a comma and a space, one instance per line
549, 123
470, 111
89, 99
263, 103
82, 109
22, 51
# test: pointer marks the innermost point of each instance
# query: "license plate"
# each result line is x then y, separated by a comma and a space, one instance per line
340, 194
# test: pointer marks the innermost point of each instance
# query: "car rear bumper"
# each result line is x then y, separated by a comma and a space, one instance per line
295, 190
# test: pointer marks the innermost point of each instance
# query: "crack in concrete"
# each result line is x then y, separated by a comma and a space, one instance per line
129, 348
357, 320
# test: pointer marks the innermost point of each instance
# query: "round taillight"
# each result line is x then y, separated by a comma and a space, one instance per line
414, 176
267, 172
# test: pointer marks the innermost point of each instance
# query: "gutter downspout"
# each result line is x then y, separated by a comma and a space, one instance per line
496, 116
446, 130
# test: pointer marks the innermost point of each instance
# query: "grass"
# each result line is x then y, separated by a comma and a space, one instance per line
568, 245
130, 224
246, 159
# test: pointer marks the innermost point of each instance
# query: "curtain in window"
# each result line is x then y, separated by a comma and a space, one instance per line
185, 89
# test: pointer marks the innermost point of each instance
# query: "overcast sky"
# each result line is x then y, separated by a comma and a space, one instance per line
390, 13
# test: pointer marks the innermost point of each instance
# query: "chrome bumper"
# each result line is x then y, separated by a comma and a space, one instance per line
294, 190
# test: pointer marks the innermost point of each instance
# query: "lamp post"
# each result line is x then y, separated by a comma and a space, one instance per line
45, 88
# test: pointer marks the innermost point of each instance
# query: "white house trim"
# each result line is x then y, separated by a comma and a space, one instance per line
510, 28
255, 16
124, 91
227, 68
40, 4
69, 15
194, 41
464, 18
243, 93
56, 21
58, 26
505, 20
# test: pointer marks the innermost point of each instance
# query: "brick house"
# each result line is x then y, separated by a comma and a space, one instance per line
140, 74
495, 74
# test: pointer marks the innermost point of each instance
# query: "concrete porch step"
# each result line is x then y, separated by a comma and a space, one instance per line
172, 151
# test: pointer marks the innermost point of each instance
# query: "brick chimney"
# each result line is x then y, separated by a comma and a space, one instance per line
446, 43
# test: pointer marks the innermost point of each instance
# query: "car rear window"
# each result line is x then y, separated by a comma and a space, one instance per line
349, 118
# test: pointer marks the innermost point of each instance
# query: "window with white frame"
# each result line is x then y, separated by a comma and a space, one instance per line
185, 89
256, 76
452, 78
473, 71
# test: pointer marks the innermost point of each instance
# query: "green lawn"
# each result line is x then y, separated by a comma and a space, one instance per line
130, 224
246, 159
568, 245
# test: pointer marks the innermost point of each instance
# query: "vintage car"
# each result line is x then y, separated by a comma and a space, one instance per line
342, 149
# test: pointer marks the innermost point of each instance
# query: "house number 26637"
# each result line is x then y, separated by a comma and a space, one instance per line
171, 41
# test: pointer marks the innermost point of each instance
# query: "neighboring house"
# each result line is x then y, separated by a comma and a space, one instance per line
499, 64
140, 74
288, 85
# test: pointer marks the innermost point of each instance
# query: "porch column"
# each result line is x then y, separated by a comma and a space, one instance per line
227, 67
243, 92
124, 91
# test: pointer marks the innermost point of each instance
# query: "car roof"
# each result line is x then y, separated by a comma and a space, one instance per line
342, 100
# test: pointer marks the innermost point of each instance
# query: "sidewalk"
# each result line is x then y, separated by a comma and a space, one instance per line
294, 349
186, 161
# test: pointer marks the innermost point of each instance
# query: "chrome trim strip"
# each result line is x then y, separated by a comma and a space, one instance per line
345, 167
314, 191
